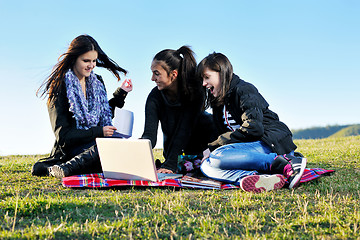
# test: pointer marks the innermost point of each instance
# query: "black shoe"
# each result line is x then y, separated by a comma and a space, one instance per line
41, 166
58, 171
86, 162
278, 165
298, 167
298, 154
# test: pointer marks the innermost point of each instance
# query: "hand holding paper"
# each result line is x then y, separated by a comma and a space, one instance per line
123, 121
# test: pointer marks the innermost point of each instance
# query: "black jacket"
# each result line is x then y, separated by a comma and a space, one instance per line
250, 110
179, 121
67, 136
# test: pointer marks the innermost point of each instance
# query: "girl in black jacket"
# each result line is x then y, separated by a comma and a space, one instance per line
177, 103
252, 140
78, 108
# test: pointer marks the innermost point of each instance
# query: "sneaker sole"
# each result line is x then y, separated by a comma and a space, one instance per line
57, 171
296, 181
261, 183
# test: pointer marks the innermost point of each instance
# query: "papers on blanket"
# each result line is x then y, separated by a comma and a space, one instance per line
200, 182
123, 121
163, 176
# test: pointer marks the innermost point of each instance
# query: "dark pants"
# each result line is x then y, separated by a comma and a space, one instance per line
79, 149
88, 159
86, 153
203, 133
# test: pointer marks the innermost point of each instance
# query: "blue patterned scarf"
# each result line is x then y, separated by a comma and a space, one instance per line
94, 110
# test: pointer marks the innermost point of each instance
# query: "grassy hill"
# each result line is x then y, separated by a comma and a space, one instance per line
324, 132
353, 130
327, 208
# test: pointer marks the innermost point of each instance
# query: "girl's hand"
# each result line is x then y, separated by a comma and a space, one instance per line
206, 154
108, 131
127, 85
164, 170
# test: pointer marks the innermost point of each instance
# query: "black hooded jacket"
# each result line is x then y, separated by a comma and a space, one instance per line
257, 122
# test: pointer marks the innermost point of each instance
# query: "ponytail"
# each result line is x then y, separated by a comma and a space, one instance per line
186, 72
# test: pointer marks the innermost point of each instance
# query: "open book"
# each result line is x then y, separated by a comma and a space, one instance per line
200, 182
163, 176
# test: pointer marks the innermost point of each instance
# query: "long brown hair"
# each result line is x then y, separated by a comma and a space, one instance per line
80, 45
217, 62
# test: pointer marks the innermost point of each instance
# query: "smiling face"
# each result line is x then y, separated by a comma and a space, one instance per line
162, 79
211, 80
84, 64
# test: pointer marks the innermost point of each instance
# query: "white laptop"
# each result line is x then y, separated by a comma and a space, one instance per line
129, 159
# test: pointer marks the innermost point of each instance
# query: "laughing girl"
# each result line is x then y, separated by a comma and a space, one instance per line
253, 142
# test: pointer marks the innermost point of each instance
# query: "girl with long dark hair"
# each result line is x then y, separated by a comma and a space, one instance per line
253, 141
177, 103
79, 109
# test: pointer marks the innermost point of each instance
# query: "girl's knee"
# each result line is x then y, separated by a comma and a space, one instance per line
205, 168
209, 170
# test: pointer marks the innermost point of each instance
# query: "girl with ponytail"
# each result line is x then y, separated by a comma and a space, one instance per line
177, 102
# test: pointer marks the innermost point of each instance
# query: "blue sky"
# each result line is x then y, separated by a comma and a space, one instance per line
303, 56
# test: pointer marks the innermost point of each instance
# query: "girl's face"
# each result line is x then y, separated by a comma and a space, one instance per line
211, 80
162, 79
84, 64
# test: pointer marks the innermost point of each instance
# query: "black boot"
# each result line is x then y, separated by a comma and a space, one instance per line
278, 165
86, 162
41, 166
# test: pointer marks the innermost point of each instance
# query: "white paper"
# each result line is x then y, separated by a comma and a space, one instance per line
123, 121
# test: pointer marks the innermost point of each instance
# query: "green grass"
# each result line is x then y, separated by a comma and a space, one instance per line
326, 208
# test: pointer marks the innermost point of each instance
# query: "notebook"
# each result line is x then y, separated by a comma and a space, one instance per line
129, 159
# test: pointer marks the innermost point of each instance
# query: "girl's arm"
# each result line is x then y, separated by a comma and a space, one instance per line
151, 119
119, 95
251, 128
118, 99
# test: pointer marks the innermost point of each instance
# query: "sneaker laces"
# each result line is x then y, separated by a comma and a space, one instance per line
288, 170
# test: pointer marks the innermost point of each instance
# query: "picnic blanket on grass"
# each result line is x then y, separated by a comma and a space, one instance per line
97, 180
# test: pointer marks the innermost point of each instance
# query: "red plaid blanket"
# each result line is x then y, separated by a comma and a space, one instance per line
97, 180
